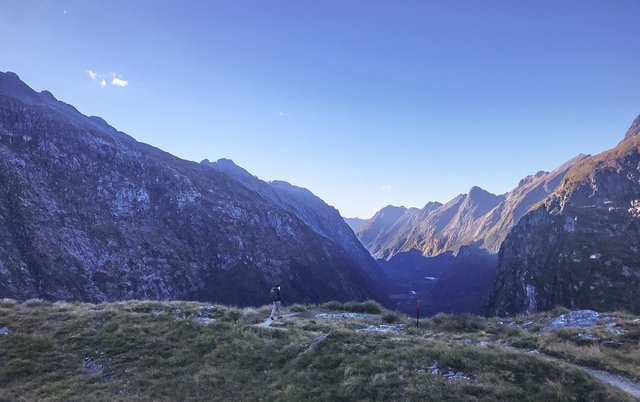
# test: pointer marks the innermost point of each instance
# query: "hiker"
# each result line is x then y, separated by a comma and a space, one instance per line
276, 299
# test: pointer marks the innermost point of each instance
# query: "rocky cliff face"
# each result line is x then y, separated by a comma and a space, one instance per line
530, 191
580, 248
320, 217
478, 219
87, 213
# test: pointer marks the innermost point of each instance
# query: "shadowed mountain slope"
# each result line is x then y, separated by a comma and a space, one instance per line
88, 213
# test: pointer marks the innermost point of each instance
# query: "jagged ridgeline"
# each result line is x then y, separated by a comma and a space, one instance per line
478, 219
88, 213
580, 248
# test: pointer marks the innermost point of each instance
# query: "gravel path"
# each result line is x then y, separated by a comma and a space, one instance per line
616, 381
267, 323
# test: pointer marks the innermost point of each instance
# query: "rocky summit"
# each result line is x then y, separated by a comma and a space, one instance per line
88, 213
580, 248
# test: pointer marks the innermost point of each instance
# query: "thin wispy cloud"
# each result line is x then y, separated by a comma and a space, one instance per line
386, 187
93, 75
119, 82
103, 83
280, 113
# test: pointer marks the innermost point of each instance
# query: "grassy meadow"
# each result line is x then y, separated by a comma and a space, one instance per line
187, 351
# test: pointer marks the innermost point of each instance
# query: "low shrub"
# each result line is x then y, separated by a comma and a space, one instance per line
392, 317
368, 307
458, 323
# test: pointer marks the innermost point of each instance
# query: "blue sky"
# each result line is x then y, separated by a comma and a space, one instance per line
366, 103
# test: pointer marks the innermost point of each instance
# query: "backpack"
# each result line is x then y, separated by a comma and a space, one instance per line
275, 294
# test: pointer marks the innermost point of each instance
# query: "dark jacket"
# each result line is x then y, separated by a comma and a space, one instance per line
275, 295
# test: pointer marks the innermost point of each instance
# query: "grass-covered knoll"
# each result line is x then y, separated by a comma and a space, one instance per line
186, 351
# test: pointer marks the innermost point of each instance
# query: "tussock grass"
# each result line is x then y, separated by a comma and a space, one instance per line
367, 307
457, 323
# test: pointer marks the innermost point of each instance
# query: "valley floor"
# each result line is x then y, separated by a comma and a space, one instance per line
166, 351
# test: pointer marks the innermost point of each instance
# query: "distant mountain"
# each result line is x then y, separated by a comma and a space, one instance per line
377, 226
389, 225
320, 217
478, 219
88, 213
580, 247
355, 223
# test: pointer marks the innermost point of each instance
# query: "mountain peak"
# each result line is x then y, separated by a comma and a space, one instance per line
476, 191
392, 209
388, 214
222, 162
12, 85
9, 76
46, 95
432, 205
634, 130
225, 161
229, 167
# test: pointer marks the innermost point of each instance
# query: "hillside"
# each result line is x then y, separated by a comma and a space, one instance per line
190, 351
580, 248
88, 213
320, 217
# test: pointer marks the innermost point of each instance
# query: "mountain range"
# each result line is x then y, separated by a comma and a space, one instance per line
88, 213
569, 237
478, 218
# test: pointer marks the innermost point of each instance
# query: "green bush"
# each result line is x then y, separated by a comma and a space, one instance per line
298, 308
392, 317
527, 342
567, 334
368, 307
333, 305
559, 310
232, 315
